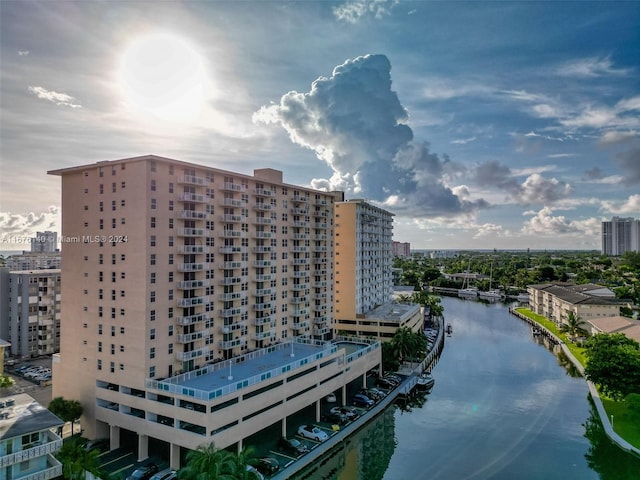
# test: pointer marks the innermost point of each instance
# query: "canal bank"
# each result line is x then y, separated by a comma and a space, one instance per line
593, 390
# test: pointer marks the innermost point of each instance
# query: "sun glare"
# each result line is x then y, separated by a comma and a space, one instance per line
162, 75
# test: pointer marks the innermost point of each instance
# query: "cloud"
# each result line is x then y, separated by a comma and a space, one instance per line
630, 206
590, 67
613, 137
545, 223
356, 124
629, 163
353, 10
17, 227
463, 141
23, 53
535, 189
60, 99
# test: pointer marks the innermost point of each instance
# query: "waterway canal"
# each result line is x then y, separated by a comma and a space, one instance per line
503, 407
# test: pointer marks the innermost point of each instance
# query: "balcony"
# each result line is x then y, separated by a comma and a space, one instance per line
299, 286
321, 213
232, 249
190, 267
263, 221
190, 180
264, 335
321, 201
230, 280
191, 319
184, 356
191, 337
320, 320
300, 325
299, 198
262, 263
196, 249
262, 207
300, 312
48, 446
238, 342
321, 237
300, 249
321, 225
320, 261
231, 296
262, 235
230, 202
321, 331
300, 224
232, 312
320, 308
263, 277
263, 291
232, 265
300, 236
233, 234
320, 296
262, 321
320, 248
233, 187
259, 307
191, 197
190, 302
298, 300
192, 214
300, 211
321, 284
232, 327
261, 192
231, 218
299, 274
262, 249
190, 232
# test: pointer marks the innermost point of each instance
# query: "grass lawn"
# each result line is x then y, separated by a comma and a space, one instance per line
625, 423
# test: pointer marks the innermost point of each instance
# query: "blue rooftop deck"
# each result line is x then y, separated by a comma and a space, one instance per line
219, 379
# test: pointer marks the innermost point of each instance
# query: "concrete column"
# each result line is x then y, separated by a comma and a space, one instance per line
344, 394
284, 427
114, 437
318, 413
174, 456
143, 447
239, 445
364, 380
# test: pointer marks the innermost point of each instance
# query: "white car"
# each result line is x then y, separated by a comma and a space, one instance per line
312, 433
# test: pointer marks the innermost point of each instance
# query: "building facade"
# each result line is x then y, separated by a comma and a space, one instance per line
34, 261
30, 312
171, 268
620, 235
401, 249
588, 301
44, 242
27, 440
364, 273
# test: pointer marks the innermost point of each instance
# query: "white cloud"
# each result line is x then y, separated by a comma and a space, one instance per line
23, 53
463, 141
590, 67
545, 223
60, 99
353, 10
630, 206
16, 228
613, 136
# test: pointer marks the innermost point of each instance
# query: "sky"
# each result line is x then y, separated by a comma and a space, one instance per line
480, 125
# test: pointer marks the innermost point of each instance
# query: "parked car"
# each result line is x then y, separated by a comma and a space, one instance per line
385, 383
292, 446
331, 398
100, 444
167, 474
144, 472
335, 417
373, 393
312, 432
348, 412
255, 472
268, 465
360, 400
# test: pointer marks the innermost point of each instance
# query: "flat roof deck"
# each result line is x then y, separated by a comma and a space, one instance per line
219, 379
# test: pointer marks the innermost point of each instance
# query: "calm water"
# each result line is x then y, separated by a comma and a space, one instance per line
502, 408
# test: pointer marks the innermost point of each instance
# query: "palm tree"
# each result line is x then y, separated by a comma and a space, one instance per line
76, 461
574, 325
208, 463
243, 465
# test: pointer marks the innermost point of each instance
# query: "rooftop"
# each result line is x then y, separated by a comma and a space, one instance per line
392, 311
219, 379
24, 415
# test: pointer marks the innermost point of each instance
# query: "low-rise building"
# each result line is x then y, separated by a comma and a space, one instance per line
28, 440
556, 301
630, 328
382, 322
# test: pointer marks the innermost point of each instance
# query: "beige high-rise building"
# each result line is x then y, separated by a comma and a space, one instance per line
194, 299
363, 273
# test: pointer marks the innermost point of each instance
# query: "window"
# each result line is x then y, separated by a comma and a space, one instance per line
153, 277
152, 259
153, 240
152, 334
152, 371
99, 364
99, 329
99, 346
171, 330
113, 331
171, 241
153, 204
170, 312
152, 352
112, 367
122, 348
170, 187
113, 187
113, 349
153, 185
170, 295
152, 297
171, 223
171, 205
121, 330
171, 259
152, 315
170, 350
153, 222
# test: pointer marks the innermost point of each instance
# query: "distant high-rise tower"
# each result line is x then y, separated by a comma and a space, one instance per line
402, 249
620, 235
44, 242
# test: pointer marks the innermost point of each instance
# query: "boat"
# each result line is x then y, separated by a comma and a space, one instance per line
469, 292
449, 329
536, 331
492, 293
425, 381
523, 297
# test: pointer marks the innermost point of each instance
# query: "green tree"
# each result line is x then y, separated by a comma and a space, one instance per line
407, 344
614, 364
76, 461
208, 463
574, 325
67, 410
389, 360
6, 381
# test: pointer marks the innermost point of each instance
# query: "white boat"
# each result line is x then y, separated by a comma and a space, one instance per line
492, 293
469, 292
425, 381
523, 297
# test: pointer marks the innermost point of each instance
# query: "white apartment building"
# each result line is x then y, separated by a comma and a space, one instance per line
27, 440
30, 312
34, 261
44, 242
364, 273
198, 301
620, 235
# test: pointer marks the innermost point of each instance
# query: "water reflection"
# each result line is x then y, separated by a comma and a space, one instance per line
606, 458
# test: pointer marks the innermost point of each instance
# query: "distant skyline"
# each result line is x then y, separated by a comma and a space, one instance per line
480, 125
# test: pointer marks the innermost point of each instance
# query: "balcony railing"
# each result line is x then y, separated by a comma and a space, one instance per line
191, 249
238, 342
234, 187
192, 197
190, 267
191, 319
190, 337
232, 249
231, 218
183, 356
192, 214
190, 302
53, 444
191, 180
190, 232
